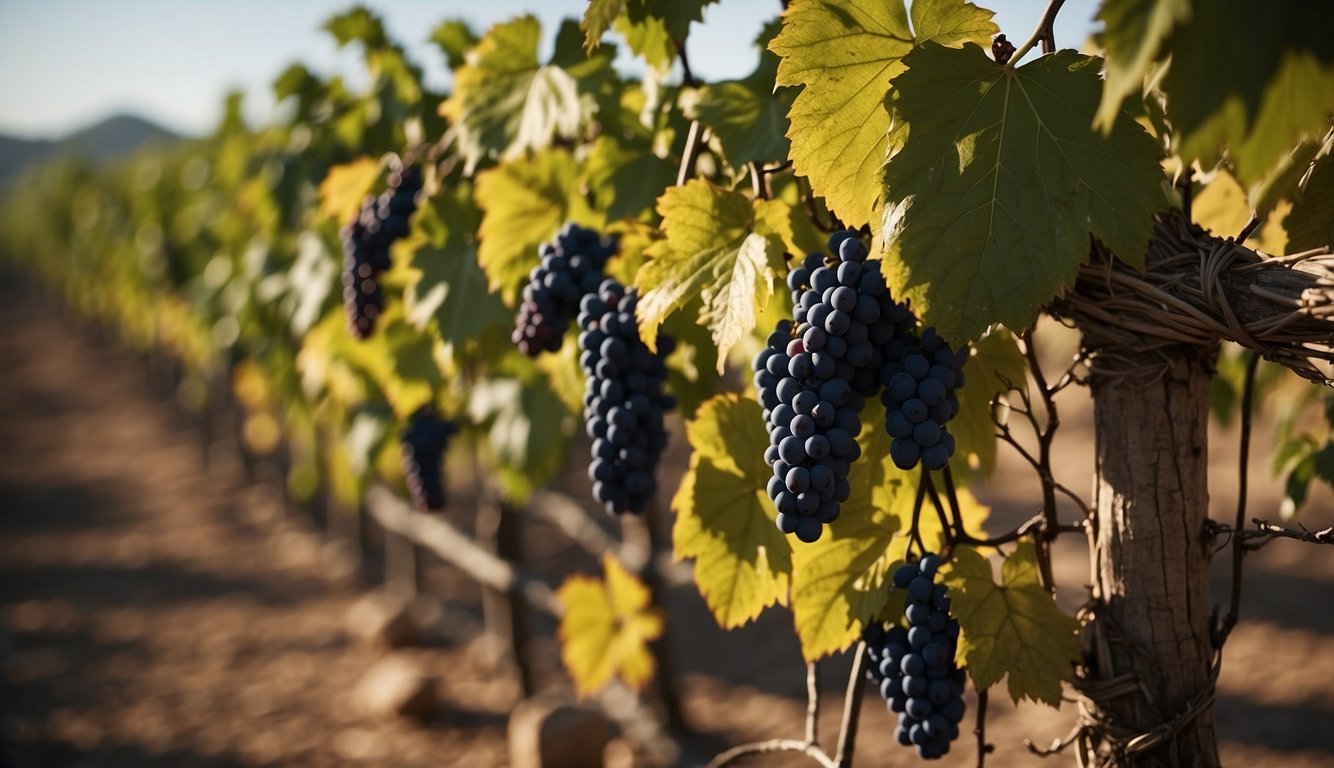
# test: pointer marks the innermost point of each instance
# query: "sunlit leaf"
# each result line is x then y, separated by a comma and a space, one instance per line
345, 187
844, 53
1013, 628
606, 627
724, 519
525, 203
719, 247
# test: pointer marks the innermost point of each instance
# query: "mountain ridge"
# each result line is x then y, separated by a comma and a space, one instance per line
110, 138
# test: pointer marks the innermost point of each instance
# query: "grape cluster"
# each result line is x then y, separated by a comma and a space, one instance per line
920, 397
366, 243
571, 267
423, 445
813, 377
623, 399
915, 666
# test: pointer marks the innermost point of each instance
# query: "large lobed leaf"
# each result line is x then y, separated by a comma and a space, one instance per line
447, 286
605, 629
724, 519
1134, 32
505, 102
1013, 628
525, 203
998, 179
1254, 76
844, 53
720, 247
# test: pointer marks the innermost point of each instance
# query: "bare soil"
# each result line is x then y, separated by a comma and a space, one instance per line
157, 610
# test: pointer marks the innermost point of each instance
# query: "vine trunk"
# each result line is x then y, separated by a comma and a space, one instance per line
1148, 683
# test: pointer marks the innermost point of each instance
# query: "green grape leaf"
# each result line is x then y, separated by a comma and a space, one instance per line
1014, 627
844, 53
525, 426
524, 204
995, 365
1310, 223
747, 116
1134, 34
455, 38
358, 25
692, 368
505, 102
724, 519
719, 247
345, 186
1275, 88
447, 286
626, 179
841, 581
598, 16
606, 627
1001, 179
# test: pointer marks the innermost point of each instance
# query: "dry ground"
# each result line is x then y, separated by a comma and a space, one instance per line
157, 611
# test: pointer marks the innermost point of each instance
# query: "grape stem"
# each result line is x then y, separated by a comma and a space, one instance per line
813, 703
981, 730
1043, 33
852, 707
690, 154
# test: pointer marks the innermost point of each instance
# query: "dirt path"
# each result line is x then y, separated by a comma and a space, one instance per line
157, 613
147, 618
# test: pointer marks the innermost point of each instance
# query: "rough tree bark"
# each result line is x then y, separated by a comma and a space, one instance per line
1152, 653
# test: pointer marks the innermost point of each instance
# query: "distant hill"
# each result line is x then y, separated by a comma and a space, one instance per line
114, 137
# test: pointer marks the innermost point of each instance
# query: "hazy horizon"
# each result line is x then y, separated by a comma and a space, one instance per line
171, 62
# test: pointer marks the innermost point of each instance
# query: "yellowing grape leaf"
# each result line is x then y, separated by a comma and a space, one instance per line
1133, 36
844, 53
525, 203
598, 16
840, 581
1013, 628
724, 519
1001, 179
1259, 104
719, 247
505, 102
345, 187
1310, 224
996, 363
446, 285
605, 628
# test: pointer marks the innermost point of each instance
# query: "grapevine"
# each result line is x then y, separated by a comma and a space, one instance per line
366, 244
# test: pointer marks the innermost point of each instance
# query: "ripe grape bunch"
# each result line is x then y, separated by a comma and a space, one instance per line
623, 399
366, 244
423, 445
813, 377
571, 267
915, 666
920, 397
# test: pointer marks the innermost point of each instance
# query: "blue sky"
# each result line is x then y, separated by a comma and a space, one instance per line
67, 63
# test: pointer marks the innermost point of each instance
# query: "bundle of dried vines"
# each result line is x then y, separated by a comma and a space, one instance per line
1197, 289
